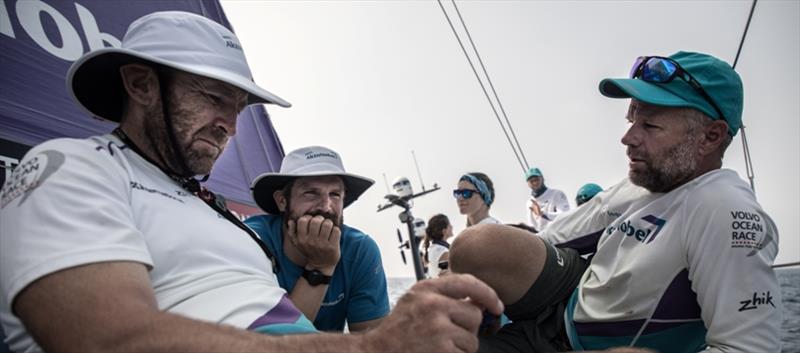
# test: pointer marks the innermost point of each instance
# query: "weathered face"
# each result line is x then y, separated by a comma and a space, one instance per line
663, 152
323, 195
472, 204
535, 182
203, 113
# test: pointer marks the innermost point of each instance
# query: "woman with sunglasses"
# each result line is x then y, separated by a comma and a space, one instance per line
435, 244
474, 197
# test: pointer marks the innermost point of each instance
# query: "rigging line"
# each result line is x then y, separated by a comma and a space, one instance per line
748, 161
485, 93
746, 27
491, 85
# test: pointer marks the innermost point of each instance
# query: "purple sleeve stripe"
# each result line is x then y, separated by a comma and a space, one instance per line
586, 244
283, 313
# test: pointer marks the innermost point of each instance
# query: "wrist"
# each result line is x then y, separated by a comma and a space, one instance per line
325, 270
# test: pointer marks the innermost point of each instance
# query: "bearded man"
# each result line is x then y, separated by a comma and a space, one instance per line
333, 272
682, 251
109, 243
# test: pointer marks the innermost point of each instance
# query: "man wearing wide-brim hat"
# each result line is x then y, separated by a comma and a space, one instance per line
108, 243
333, 272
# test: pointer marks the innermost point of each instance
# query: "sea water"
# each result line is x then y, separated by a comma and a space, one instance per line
790, 288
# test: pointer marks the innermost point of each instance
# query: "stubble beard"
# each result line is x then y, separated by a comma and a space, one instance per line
198, 162
665, 172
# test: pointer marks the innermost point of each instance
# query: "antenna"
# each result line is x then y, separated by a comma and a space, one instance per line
418, 172
386, 182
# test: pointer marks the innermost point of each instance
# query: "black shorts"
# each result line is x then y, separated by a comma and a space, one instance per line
538, 317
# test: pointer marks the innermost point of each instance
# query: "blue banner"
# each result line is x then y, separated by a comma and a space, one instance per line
39, 40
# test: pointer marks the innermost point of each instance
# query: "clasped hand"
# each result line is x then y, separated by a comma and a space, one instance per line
317, 238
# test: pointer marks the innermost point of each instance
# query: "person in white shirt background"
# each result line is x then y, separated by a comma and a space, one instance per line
435, 245
545, 204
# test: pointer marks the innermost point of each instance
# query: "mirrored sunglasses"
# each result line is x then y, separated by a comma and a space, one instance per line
464, 194
659, 69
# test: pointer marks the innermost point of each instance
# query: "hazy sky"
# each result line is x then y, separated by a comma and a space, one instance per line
375, 80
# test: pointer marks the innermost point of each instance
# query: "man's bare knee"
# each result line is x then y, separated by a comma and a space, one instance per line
508, 259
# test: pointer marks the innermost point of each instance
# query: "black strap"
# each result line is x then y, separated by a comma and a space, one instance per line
211, 199
442, 243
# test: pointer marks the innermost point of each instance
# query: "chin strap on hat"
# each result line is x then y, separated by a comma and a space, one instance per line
216, 202
164, 80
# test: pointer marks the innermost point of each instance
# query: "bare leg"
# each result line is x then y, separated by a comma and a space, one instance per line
508, 259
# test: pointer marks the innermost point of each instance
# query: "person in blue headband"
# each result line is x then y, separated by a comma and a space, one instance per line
474, 196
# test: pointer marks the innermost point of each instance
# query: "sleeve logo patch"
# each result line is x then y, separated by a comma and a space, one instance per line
29, 175
747, 231
756, 301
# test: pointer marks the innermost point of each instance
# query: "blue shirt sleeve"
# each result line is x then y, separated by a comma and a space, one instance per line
369, 297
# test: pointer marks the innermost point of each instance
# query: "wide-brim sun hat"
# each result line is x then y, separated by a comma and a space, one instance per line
180, 40
718, 79
307, 162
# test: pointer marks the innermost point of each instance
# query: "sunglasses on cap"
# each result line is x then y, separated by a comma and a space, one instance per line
659, 69
464, 194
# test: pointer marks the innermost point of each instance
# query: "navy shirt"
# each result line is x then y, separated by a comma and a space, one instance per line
357, 291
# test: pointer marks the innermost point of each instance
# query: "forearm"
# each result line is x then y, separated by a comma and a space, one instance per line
308, 298
173, 333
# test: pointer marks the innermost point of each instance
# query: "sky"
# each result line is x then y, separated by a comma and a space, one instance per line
375, 80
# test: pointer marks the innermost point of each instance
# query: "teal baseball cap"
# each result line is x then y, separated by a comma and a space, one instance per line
533, 172
718, 79
586, 192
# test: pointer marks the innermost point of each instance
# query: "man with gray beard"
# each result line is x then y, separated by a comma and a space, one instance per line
109, 243
681, 251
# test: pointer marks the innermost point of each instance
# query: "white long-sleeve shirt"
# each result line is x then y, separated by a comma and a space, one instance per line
675, 271
552, 202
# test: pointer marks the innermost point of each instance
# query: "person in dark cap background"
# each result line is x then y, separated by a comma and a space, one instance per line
545, 204
682, 249
333, 272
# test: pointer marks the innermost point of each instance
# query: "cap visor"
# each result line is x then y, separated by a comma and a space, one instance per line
641, 90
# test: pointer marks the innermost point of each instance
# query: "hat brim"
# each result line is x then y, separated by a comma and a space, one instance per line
266, 184
643, 91
95, 83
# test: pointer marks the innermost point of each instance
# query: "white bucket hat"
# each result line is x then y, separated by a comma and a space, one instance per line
305, 162
180, 40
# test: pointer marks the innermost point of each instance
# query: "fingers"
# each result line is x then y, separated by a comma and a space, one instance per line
302, 228
467, 316
336, 234
462, 286
449, 338
325, 228
317, 238
316, 228
291, 232
465, 341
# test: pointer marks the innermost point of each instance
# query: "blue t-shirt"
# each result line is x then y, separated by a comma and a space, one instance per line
357, 291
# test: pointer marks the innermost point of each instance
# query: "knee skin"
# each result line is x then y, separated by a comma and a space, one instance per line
508, 259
